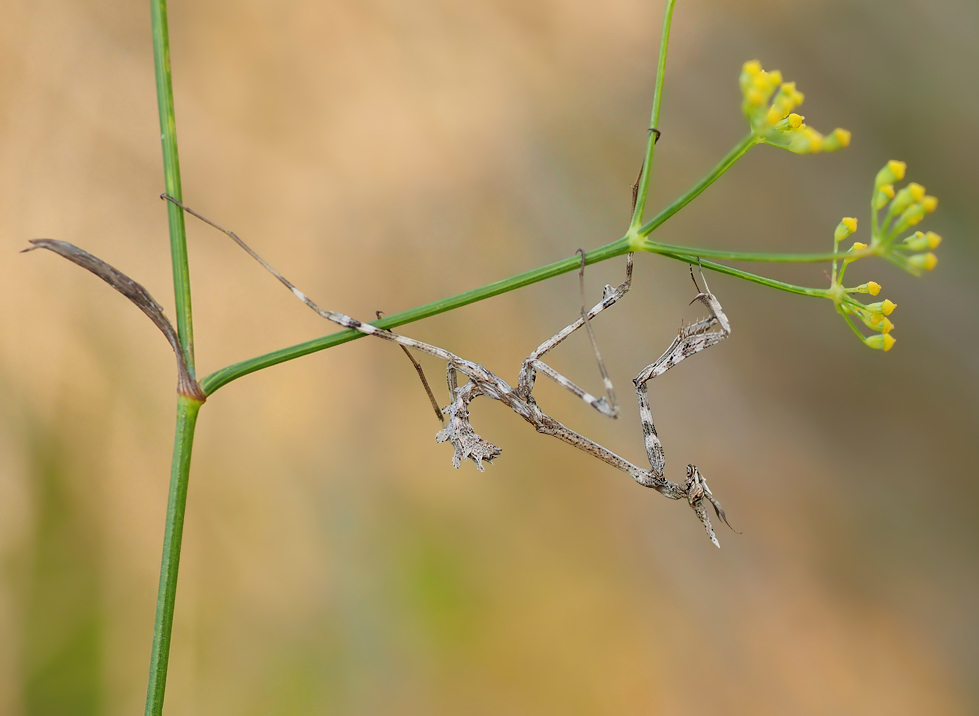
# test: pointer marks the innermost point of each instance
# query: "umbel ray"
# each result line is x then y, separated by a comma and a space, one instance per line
480, 381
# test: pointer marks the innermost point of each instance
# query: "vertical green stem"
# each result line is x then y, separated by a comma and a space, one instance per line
187, 410
654, 118
171, 172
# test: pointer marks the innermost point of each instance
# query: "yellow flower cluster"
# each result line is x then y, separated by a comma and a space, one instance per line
901, 209
769, 103
904, 209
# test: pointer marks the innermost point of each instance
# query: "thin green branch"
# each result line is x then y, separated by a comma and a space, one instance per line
653, 137
726, 163
752, 256
171, 172
664, 43
187, 410
849, 322
748, 276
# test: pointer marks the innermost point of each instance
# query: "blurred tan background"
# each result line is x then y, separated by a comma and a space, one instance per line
383, 154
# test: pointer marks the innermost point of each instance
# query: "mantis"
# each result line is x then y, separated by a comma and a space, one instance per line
480, 381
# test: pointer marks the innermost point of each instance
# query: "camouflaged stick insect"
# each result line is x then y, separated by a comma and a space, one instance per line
482, 382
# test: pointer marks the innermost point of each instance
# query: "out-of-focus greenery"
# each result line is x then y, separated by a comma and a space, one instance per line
384, 154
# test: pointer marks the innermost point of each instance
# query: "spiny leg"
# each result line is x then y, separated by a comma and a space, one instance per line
532, 364
689, 341
609, 388
693, 338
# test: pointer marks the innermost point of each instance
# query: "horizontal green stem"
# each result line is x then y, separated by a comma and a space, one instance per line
225, 375
748, 276
751, 256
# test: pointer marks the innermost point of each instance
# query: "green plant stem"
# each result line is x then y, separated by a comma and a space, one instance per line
695, 259
171, 173
849, 322
654, 247
187, 410
647, 166
726, 163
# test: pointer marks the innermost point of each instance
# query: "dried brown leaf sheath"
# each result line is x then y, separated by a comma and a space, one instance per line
136, 293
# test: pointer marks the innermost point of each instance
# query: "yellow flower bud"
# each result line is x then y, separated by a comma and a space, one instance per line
911, 217
815, 139
916, 242
858, 246
838, 139
885, 326
924, 262
920, 242
873, 288
882, 195
883, 342
894, 171
751, 67
774, 114
929, 203
793, 121
886, 307
806, 140
846, 227
909, 195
